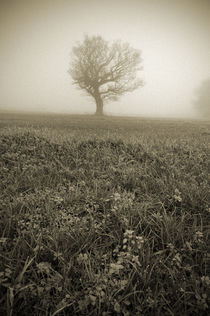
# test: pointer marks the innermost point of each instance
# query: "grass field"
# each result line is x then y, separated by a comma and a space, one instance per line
103, 216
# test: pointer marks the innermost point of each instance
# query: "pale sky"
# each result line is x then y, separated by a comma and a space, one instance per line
36, 38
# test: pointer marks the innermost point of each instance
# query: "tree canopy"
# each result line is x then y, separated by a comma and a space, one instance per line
105, 71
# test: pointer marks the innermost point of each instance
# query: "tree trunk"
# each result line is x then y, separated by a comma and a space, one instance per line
99, 105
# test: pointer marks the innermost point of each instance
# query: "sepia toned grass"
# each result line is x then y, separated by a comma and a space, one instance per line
103, 216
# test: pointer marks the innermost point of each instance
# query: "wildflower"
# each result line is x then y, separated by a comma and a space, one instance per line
116, 250
3, 240
117, 307
135, 259
57, 199
150, 301
123, 283
170, 246
115, 268
140, 241
177, 260
177, 196
58, 255
44, 267
125, 240
177, 192
92, 299
202, 300
188, 245
82, 258
116, 196
128, 233
157, 216
205, 280
199, 234
198, 237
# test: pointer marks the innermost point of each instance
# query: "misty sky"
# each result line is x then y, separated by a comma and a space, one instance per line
36, 38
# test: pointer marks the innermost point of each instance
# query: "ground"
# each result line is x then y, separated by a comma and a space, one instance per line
103, 216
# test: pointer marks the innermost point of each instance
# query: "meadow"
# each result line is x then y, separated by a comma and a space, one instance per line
103, 216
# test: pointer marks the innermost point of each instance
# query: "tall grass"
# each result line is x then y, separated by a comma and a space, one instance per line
104, 217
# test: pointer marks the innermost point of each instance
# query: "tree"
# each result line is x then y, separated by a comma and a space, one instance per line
105, 71
202, 101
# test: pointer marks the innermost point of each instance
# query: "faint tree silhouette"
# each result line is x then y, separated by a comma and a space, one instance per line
202, 101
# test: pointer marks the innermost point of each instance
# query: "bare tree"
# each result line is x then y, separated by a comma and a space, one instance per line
105, 71
202, 101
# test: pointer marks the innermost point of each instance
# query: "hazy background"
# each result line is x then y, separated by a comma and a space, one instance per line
36, 37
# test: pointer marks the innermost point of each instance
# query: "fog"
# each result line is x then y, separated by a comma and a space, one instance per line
36, 38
